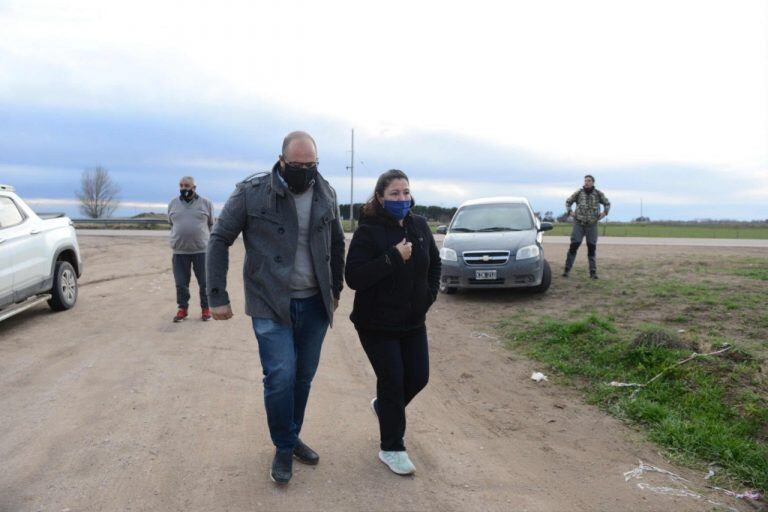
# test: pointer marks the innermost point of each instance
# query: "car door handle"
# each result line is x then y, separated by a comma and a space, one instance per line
2, 240
35, 231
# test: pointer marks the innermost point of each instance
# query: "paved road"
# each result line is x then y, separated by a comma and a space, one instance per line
611, 240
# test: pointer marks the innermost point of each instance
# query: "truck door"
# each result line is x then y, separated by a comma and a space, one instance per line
9, 216
23, 236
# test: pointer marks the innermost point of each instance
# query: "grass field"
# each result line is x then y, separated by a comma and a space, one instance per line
642, 319
748, 231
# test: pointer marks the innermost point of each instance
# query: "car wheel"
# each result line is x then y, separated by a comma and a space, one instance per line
449, 290
546, 279
64, 291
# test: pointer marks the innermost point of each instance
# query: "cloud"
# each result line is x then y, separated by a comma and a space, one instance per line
573, 82
43, 201
43, 153
217, 163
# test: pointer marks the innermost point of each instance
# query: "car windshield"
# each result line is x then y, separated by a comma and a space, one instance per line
493, 217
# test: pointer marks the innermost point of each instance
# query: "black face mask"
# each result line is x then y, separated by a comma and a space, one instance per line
186, 194
299, 179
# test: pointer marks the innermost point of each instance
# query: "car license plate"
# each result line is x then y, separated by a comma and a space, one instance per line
485, 275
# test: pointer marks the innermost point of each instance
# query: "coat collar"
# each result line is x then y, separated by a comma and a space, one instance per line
277, 183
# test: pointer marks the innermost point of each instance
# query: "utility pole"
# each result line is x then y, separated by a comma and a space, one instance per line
641, 207
352, 185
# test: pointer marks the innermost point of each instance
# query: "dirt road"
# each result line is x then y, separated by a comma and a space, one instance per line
112, 407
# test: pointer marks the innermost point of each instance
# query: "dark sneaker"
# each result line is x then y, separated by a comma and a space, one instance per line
305, 454
593, 276
282, 468
206, 314
181, 314
565, 273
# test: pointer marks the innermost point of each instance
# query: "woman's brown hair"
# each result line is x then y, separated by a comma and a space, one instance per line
372, 206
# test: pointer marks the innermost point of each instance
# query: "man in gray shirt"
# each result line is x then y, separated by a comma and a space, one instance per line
292, 275
191, 218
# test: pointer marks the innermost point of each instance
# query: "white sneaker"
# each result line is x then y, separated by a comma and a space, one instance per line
373, 407
398, 462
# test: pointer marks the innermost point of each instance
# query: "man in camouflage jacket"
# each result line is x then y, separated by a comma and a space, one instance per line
586, 216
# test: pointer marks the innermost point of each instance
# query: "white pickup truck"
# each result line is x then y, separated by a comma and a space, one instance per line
39, 258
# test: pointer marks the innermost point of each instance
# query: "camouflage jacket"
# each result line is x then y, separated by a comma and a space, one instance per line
588, 205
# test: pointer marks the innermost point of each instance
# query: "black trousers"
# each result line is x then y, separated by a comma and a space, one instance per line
577, 235
401, 363
183, 264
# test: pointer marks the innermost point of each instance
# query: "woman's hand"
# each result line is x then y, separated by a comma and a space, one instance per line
404, 248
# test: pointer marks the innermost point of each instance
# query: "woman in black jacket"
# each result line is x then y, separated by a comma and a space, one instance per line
393, 265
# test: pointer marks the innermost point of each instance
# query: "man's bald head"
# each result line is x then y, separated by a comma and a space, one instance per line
299, 146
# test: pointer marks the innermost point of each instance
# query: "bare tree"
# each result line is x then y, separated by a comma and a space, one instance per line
98, 193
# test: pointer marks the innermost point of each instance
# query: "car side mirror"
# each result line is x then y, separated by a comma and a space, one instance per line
441, 230
546, 226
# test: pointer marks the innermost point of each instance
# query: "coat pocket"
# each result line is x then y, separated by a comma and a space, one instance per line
263, 215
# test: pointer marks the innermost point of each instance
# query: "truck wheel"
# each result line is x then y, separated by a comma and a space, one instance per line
546, 279
64, 291
449, 290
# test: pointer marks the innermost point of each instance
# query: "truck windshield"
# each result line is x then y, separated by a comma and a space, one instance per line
493, 217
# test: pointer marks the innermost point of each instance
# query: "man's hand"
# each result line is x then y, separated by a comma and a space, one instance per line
602, 215
404, 248
570, 213
222, 312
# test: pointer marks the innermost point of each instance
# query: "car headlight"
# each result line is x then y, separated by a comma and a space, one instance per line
527, 252
448, 254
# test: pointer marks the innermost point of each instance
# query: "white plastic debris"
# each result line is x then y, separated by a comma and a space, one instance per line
624, 384
670, 491
746, 495
484, 335
681, 331
647, 468
538, 376
682, 491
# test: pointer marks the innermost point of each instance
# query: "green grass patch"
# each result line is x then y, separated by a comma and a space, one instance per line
752, 268
711, 409
701, 293
708, 294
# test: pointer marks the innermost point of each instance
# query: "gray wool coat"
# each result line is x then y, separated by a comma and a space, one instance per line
262, 209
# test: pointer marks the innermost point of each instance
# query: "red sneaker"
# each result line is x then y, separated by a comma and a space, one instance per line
180, 315
206, 314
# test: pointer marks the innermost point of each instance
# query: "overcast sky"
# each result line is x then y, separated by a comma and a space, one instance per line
661, 100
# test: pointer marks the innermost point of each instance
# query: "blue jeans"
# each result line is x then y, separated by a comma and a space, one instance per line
289, 358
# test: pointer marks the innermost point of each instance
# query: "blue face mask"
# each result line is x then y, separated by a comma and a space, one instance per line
398, 209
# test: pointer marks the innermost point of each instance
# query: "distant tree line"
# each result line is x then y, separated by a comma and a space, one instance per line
99, 198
